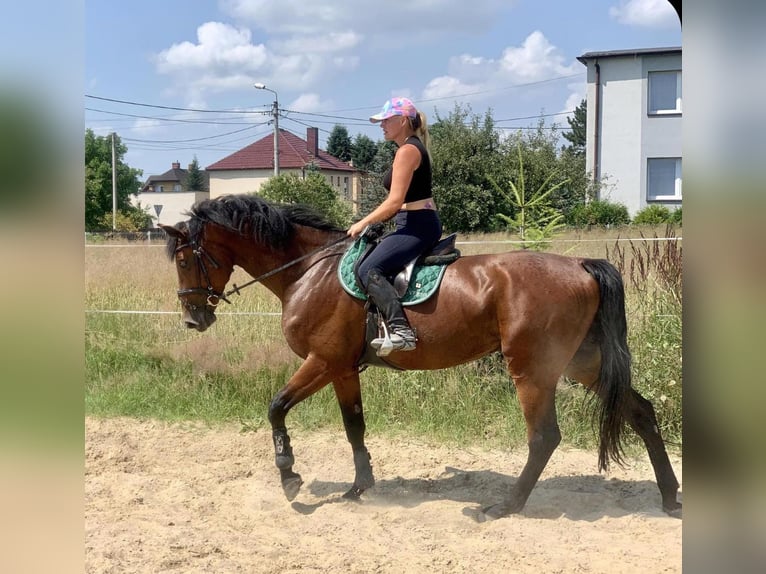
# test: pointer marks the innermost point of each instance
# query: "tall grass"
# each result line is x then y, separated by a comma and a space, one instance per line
150, 366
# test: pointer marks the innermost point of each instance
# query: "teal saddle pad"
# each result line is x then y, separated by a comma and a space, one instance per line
424, 281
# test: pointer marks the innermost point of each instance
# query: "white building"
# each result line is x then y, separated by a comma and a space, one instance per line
634, 125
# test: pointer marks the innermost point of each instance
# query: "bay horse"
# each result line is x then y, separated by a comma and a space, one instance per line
549, 315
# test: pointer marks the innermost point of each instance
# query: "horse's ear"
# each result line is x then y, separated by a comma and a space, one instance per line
173, 231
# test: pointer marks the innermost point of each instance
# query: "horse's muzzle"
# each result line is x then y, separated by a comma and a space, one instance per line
200, 318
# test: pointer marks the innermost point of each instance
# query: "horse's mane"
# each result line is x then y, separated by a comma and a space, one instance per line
249, 215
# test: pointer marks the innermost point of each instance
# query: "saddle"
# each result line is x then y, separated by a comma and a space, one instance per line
414, 284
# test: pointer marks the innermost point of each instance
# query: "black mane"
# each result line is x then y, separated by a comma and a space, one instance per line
249, 215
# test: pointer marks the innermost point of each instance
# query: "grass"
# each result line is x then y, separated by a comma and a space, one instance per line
150, 366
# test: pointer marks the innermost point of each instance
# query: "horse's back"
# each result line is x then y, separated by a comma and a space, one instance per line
512, 302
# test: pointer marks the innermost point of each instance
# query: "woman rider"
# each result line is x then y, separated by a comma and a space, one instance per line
409, 201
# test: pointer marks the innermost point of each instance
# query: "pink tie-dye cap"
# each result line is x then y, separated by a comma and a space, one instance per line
395, 107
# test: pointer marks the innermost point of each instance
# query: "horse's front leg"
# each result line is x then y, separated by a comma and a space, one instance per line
349, 395
307, 380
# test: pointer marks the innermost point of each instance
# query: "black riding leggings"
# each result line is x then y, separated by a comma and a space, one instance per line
416, 232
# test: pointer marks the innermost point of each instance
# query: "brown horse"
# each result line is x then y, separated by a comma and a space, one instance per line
547, 314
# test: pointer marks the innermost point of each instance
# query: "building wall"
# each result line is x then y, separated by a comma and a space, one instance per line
231, 182
628, 134
174, 204
660, 134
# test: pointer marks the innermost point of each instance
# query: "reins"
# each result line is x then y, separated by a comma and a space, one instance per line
236, 289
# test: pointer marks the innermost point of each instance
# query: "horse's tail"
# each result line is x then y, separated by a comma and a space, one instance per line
613, 387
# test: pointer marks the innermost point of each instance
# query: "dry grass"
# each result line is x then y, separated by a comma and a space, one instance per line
152, 365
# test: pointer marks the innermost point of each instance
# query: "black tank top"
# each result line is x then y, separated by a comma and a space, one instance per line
420, 186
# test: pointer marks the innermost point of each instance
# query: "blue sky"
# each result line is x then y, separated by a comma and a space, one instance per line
339, 60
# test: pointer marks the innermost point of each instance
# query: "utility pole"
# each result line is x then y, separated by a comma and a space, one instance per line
114, 187
275, 113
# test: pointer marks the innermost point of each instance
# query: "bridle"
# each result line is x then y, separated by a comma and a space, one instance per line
213, 297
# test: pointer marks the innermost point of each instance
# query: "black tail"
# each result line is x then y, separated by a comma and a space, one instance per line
613, 386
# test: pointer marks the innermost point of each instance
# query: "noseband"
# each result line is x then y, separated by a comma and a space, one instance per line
213, 297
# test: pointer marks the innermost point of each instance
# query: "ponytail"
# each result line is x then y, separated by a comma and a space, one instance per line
420, 127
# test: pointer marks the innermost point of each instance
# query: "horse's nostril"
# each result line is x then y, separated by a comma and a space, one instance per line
191, 324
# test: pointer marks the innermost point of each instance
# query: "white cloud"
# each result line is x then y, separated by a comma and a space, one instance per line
323, 43
573, 100
299, 17
220, 46
535, 60
310, 102
146, 126
646, 13
446, 87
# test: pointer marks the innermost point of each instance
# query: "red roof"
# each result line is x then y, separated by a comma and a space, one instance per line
293, 154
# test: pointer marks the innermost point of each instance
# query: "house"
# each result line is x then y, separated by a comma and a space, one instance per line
167, 197
634, 125
245, 170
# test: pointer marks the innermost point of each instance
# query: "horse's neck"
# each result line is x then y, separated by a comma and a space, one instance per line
258, 260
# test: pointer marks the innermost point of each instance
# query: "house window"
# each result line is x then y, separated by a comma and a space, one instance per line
177, 187
161, 188
663, 176
665, 92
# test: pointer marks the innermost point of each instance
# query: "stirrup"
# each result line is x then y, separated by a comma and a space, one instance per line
400, 339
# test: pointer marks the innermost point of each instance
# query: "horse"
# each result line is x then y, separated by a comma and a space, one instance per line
549, 315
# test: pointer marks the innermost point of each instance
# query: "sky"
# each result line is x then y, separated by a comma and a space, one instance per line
175, 79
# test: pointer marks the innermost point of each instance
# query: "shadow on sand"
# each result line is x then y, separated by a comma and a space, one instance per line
579, 497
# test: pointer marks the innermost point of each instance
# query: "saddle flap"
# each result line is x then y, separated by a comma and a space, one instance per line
402, 279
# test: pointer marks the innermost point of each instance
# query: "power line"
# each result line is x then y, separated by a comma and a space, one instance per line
165, 119
194, 139
177, 108
327, 114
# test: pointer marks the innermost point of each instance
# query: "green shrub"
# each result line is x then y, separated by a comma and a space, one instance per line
599, 213
675, 217
652, 215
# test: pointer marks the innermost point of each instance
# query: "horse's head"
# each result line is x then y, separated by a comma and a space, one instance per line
202, 276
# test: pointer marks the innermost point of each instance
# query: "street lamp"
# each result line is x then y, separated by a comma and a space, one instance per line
275, 110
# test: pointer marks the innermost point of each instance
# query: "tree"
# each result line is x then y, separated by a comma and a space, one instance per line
577, 123
312, 190
465, 155
98, 180
195, 179
339, 143
372, 192
363, 152
535, 218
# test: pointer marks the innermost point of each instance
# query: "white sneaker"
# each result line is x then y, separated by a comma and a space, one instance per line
400, 339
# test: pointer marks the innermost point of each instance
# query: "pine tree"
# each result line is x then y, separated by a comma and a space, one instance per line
195, 179
577, 137
339, 143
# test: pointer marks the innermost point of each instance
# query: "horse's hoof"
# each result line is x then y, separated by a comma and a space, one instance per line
497, 511
291, 486
354, 493
674, 512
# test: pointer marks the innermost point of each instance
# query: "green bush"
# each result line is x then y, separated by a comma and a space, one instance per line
675, 216
599, 213
652, 215
311, 190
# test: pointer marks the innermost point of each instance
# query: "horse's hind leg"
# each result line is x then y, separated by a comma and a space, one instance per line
643, 420
543, 436
349, 396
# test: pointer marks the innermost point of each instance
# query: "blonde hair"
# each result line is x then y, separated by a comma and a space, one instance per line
420, 126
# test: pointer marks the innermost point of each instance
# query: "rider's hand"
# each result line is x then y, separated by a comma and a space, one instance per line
356, 229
